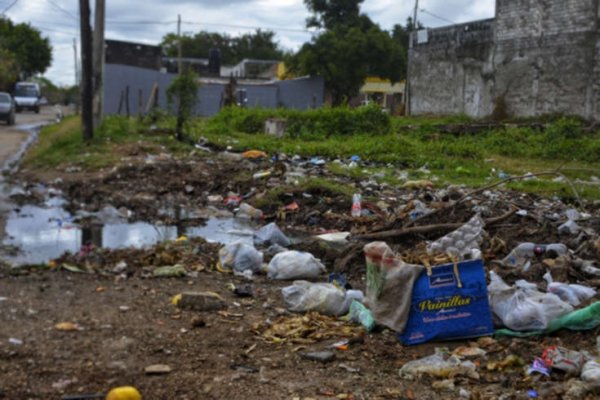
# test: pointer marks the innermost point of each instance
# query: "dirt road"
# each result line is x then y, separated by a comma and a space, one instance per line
11, 140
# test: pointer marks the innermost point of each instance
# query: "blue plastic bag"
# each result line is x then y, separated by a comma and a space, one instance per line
446, 305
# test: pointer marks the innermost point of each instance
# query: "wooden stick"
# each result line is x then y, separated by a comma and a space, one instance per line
418, 230
476, 191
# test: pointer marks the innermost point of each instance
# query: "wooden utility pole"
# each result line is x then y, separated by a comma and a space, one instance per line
77, 83
99, 62
86, 70
179, 69
407, 93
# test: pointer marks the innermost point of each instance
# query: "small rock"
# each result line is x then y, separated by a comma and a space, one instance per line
244, 291
157, 369
445, 385
215, 199
320, 356
198, 322
189, 189
120, 267
349, 368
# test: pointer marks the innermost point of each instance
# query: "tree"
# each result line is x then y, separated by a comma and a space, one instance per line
259, 45
8, 70
32, 52
182, 95
351, 48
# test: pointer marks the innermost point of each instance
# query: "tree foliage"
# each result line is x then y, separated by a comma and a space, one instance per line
32, 52
350, 48
259, 45
182, 94
8, 70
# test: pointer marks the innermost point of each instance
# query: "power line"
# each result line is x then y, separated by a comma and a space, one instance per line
53, 4
9, 7
113, 21
55, 30
249, 27
437, 16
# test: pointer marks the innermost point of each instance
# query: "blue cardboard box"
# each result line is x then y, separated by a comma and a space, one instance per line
446, 305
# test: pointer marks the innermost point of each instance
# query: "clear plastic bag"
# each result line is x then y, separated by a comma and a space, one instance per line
246, 211
439, 365
324, 298
269, 235
591, 373
240, 256
524, 309
292, 264
573, 294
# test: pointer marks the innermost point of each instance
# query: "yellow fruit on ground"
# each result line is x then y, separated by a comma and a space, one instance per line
124, 393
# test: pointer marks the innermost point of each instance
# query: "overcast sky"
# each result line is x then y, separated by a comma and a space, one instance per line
148, 21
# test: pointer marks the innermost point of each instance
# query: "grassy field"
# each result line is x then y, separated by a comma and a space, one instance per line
392, 150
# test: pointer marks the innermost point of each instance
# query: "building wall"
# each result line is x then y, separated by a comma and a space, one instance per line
540, 56
303, 93
450, 70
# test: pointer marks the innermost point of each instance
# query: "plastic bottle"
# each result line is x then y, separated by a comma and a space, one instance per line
525, 252
356, 205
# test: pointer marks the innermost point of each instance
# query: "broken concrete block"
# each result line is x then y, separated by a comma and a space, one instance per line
201, 301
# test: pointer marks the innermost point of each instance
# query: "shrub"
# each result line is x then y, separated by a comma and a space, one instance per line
311, 124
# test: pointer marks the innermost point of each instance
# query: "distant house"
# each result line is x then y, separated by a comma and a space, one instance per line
133, 71
382, 92
133, 54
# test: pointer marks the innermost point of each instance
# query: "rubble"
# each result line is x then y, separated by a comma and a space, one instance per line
220, 320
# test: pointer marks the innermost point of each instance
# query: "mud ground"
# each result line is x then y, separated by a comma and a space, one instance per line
124, 323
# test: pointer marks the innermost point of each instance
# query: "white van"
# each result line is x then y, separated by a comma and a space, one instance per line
27, 96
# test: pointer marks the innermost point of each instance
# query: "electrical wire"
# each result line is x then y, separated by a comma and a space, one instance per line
9, 7
53, 4
248, 27
437, 16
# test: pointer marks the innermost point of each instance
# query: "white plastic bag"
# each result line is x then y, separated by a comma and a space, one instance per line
295, 265
573, 294
524, 309
271, 234
324, 298
591, 373
239, 257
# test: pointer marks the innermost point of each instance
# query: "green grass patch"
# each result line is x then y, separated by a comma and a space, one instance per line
62, 144
320, 186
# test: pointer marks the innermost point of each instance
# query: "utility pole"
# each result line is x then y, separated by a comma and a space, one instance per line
179, 44
77, 83
415, 15
99, 62
86, 70
407, 82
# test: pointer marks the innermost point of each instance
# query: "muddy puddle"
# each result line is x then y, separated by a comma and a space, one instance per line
35, 235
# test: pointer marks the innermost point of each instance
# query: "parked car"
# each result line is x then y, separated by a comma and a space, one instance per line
7, 108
